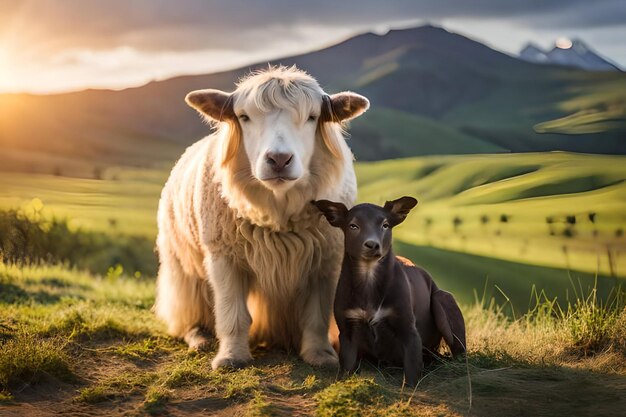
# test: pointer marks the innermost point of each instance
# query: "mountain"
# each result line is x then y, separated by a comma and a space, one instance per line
431, 91
572, 54
533, 53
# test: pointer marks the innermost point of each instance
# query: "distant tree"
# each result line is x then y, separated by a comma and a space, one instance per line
570, 219
592, 217
112, 222
484, 219
619, 233
550, 222
457, 222
505, 218
97, 173
569, 232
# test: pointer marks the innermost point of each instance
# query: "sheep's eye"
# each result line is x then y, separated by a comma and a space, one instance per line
354, 226
244, 117
385, 225
312, 118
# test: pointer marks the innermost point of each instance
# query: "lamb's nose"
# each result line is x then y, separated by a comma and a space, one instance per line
371, 244
278, 160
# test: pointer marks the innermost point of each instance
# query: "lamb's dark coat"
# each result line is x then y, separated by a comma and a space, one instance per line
385, 306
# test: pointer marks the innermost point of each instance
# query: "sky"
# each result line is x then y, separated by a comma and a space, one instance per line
49, 46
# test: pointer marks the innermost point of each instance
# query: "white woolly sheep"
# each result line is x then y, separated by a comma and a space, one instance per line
243, 252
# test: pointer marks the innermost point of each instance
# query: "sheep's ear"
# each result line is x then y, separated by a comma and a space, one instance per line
335, 213
214, 104
400, 208
345, 106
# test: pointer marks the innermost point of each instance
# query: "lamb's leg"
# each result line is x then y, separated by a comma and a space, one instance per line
232, 319
348, 351
184, 303
412, 361
449, 320
315, 347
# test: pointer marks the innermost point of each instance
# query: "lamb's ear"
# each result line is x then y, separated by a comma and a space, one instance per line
335, 213
400, 208
215, 104
345, 106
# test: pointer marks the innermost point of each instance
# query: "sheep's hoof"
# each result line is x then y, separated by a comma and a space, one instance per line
198, 341
229, 362
324, 358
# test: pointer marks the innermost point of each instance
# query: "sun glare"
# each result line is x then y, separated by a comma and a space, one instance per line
4, 69
563, 43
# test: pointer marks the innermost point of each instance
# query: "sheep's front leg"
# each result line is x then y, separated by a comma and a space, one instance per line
316, 348
232, 319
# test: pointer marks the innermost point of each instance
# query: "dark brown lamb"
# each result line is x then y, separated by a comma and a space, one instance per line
386, 307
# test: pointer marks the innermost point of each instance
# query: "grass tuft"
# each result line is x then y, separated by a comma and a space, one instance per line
122, 385
190, 371
155, 400
24, 361
260, 406
5, 397
592, 324
349, 397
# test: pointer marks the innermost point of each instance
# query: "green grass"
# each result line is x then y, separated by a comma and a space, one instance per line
123, 202
95, 343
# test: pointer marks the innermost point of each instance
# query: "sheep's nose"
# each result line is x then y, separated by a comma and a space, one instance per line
371, 244
278, 160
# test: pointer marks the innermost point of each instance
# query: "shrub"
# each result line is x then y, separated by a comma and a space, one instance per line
32, 240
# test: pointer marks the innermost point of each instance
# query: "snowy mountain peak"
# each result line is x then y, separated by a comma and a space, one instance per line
571, 53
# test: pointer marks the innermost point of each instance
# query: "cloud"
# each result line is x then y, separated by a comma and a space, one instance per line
134, 41
245, 25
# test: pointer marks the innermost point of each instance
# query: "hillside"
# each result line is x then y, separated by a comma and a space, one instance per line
552, 209
454, 96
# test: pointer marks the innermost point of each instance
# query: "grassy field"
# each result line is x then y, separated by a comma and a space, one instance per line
559, 210
123, 201
74, 343
513, 220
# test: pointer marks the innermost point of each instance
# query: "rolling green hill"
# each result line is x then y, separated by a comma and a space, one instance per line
553, 209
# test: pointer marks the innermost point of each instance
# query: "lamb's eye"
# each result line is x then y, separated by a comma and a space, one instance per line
385, 225
244, 117
354, 226
312, 118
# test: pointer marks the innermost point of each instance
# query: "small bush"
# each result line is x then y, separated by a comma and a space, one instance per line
32, 240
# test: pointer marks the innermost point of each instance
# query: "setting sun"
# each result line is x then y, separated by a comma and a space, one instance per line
563, 43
